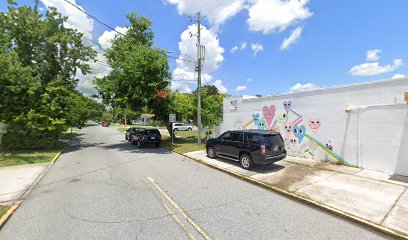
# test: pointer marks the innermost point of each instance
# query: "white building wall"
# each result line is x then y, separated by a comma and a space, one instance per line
373, 135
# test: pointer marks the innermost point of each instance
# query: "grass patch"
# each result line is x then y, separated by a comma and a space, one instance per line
3, 210
182, 145
20, 157
189, 134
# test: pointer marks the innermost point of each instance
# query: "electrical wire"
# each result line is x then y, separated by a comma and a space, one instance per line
106, 25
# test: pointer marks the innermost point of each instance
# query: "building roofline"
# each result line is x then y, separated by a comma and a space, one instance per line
323, 89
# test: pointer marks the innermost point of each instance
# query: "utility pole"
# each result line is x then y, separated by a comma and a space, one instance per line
199, 77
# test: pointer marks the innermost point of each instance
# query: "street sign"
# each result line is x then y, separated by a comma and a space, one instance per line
172, 118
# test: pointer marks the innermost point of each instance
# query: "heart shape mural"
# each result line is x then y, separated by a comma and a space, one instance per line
299, 132
269, 113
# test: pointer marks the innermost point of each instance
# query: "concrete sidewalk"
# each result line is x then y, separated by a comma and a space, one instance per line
373, 196
15, 180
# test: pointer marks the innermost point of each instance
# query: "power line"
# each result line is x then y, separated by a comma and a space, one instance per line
106, 25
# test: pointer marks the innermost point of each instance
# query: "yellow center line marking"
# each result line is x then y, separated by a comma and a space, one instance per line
179, 209
178, 221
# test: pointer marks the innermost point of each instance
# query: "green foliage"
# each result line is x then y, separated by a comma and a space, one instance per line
184, 107
83, 109
39, 58
211, 106
139, 72
157, 123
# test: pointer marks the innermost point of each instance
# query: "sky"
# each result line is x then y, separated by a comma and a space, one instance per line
257, 46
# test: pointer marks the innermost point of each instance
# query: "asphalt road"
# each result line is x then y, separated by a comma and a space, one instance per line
105, 188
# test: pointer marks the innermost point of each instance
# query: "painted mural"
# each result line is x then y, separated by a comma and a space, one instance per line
300, 135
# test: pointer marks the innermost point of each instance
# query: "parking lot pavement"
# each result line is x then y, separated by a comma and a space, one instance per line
373, 196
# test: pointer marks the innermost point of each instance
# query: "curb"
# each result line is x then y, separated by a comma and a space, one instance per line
57, 156
8, 214
300, 198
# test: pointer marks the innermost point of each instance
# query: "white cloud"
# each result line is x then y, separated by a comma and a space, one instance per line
268, 16
217, 11
80, 21
249, 79
292, 39
372, 55
234, 49
298, 87
398, 75
105, 40
243, 46
240, 88
374, 68
185, 70
76, 19
181, 87
220, 87
256, 48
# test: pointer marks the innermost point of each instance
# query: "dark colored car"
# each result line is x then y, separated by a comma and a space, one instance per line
127, 133
105, 124
249, 147
143, 136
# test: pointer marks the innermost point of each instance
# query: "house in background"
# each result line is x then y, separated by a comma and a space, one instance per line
144, 119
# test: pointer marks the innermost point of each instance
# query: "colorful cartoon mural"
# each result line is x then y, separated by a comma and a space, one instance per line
289, 122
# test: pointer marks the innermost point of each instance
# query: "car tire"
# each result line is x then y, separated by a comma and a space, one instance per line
175, 130
246, 161
211, 152
139, 144
132, 141
189, 129
157, 145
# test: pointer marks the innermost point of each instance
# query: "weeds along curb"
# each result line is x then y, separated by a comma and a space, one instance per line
8, 214
303, 199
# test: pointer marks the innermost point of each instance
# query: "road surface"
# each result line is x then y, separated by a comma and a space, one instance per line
105, 188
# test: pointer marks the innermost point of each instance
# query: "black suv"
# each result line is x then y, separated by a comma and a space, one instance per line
146, 136
249, 147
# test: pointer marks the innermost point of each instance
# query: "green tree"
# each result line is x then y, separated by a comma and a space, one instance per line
140, 72
211, 106
83, 109
184, 107
39, 58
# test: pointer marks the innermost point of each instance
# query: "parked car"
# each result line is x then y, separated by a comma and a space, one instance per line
144, 136
128, 132
105, 124
182, 127
249, 147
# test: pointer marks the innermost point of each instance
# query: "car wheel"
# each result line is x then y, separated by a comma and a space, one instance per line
211, 152
189, 129
175, 130
133, 142
157, 145
246, 161
139, 144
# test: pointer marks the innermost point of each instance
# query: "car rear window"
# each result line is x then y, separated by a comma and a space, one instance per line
252, 138
274, 139
152, 131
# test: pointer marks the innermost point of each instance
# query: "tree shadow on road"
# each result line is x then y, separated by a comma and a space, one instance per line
127, 147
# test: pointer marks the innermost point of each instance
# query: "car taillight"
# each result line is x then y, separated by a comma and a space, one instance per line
263, 149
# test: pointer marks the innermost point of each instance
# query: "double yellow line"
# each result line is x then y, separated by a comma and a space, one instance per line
195, 225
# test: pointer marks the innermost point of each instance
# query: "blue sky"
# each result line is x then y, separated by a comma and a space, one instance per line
337, 42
